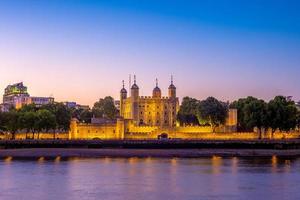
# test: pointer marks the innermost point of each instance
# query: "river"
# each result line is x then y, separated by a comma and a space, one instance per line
150, 178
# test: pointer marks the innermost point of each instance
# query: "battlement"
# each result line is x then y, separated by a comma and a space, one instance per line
150, 97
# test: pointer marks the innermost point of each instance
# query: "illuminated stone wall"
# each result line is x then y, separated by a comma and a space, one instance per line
151, 111
22, 136
91, 131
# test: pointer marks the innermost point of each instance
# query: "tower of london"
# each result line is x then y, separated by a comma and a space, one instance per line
154, 110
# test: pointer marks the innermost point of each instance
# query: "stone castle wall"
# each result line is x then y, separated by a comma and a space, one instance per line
42, 136
125, 129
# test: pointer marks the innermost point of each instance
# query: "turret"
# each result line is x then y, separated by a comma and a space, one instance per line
123, 96
123, 92
134, 101
156, 91
134, 90
172, 89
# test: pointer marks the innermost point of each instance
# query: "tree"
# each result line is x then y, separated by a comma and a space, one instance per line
105, 108
240, 105
2, 122
28, 108
282, 114
255, 115
187, 113
45, 121
252, 112
298, 119
83, 115
62, 115
12, 122
27, 121
213, 111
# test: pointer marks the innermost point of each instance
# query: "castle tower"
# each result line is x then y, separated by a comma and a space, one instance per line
156, 91
123, 96
73, 129
172, 89
174, 102
134, 101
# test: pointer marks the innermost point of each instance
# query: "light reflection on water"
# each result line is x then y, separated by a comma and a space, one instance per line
150, 178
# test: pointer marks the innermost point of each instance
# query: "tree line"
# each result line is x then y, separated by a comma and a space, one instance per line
103, 108
32, 120
52, 118
279, 113
210, 111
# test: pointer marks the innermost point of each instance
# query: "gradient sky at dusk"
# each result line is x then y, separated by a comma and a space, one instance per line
81, 50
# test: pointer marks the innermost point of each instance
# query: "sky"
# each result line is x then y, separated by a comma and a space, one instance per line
81, 50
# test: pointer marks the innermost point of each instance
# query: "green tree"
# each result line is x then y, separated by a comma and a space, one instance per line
252, 112
105, 108
298, 119
62, 115
28, 108
282, 114
255, 115
3, 122
240, 104
187, 114
86, 116
12, 122
213, 111
83, 115
46, 121
27, 121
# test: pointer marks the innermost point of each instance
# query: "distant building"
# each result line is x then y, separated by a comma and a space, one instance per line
16, 96
117, 104
71, 104
39, 101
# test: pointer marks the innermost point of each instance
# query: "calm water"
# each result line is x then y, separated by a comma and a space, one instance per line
150, 178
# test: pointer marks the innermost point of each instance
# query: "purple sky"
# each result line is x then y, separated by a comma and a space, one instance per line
82, 50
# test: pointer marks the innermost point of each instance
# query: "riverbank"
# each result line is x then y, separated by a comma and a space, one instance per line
153, 144
54, 153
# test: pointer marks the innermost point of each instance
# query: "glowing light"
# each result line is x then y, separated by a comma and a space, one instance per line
216, 163
41, 159
8, 159
274, 160
57, 159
